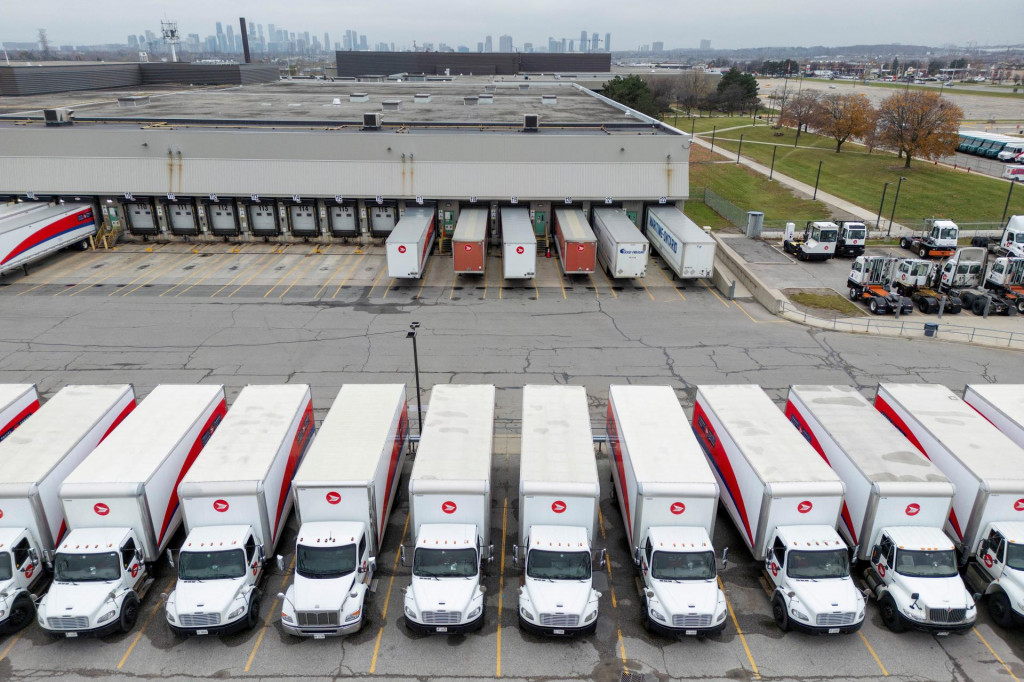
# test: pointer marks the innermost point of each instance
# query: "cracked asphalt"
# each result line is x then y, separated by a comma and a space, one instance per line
651, 335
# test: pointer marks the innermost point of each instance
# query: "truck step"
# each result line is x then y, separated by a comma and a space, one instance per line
146, 585
766, 583
373, 585
975, 579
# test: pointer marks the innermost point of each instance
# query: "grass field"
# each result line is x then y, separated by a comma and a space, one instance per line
824, 300
705, 124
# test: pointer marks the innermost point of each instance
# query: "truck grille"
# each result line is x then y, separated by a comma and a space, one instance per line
442, 617
559, 620
832, 620
199, 620
316, 618
68, 623
942, 615
691, 620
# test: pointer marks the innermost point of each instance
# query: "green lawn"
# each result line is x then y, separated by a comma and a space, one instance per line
705, 125
702, 215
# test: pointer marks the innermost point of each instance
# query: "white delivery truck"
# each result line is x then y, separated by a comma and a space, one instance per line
668, 499
121, 505
1001, 404
785, 503
897, 503
688, 250
986, 522
344, 491
450, 506
559, 494
409, 244
236, 499
17, 403
31, 235
621, 249
36, 460
518, 244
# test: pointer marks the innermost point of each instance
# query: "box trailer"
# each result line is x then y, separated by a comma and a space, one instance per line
518, 244
450, 510
28, 236
235, 500
688, 250
17, 403
896, 505
575, 241
986, 522
121, 506
36, 460
668, 500
409, 244
621, 248
559, 495
469, 242
785, 502
1001, 404
344, 490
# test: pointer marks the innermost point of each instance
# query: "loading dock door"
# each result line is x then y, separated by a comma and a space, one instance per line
223, 219
141, 218
382, 220
182, 217
303, 218
343, 221
263, 220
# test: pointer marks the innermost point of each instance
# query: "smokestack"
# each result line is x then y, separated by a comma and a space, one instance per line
245, 40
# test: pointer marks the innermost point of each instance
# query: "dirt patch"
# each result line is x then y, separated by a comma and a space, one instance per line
825, 303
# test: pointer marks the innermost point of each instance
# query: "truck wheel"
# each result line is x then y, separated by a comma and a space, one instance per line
1000, 609
645, 615
904, 244
978, 307
779, 613
253, 616
922, 252
891, 614
922, 305
129, 612
22, 612
1020, 306
873, 306
1011, 310
853, 294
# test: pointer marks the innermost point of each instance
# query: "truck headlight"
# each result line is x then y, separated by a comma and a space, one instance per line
591, 616
106, 616
526, 614
170, 617
237, 612
657, 614
797, 613
410, 613
285, 617
3, 613
352, 616
721, 617
475, 612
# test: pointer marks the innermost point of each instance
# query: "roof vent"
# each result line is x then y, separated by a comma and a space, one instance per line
133, 101
371, 121
524, 86
58, 117
531, 123
471, 101
489, 88
391, 105
358, 97
549, 99
485, 99
422, 98
337, 102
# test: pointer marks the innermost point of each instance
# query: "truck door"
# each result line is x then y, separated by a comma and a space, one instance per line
251, 557
645, 558
364, 560
23, 562
775, 562
993, 554
130, 559
883, 559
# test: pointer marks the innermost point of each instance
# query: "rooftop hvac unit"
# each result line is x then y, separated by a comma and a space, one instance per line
485, 99
549, 99
391, 105
422, 98
470, 101
358, 97
371, 121
531, 123
489, 88
58, 117
524, 86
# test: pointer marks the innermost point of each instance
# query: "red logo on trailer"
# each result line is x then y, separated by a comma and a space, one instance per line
520, 249
804, 506
1, 513
333, 497
913, 509
448, 507
101, 509
220, 505
580, 247
558, 506
881, 570
677, 508
401, 249
1018, 505
468, 247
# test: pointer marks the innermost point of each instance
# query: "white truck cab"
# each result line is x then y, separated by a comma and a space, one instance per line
20, 568
680, 574
557, 596
998, 571
446, 595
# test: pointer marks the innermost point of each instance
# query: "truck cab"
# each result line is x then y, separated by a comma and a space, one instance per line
818, 242
557, 595
852, 238
922, 586
445, 595
809, 568
939, 239
333, 570
21, 570
1009, 243
98, 577
997, 571
1006, 277
680, 575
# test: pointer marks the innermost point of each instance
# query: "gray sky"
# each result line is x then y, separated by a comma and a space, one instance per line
677, 23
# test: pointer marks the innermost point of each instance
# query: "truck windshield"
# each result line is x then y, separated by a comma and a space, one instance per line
73, 568
1019, 238
543, 564
683, 566
1014, 557
923, 563
948, 233
444, 563
5, 566
229, 563
828, 235
857, 233
325, 562
812, 565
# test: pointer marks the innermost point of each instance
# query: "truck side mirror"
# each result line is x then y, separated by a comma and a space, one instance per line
636, 557
363, 567
490, 554
279, 562
983, 547
139, 557
515, 556
372, 563
976, 597
170, 559
261, 553
401, 554
725, 558
33, 555
876, 552
914, 596
280, 595
854, 551
602, 558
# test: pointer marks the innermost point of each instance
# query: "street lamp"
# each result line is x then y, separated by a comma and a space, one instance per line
878, 220
895, 199
411, 334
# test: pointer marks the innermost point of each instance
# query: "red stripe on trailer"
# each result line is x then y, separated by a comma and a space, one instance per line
204, 435
613, 436
20, 417
798, 420
980, 412
396, 453
120, 418
426, 245
302, 439
51, 231
60, 533
720, 460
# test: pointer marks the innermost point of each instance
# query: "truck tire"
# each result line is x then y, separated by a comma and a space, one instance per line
854, 294
779, 613
252, 617
22, 612
1000, 609
922, 252
1020, 306
891, 614
978, 307
873, 306
1011, 310
645, 615
904, 243
129, 612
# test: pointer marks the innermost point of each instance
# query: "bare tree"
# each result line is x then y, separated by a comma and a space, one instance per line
44, 43
693, 89
801, 110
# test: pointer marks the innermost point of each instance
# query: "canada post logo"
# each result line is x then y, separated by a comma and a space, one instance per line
664, 235
913, 509
448, 507
558, 506
804, 507
631, 252
101, 509
220, 505
333, 497
677, 508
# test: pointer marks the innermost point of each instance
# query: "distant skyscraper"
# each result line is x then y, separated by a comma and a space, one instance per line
505, 44
658, 46
362, 42
133, 42
583, 40
327, 41
572, 46
221, 43
252, 31
488, 45
607, 42
705, 44
552, 44
563, 45
230, 40
479, 47
595, 43
527, 47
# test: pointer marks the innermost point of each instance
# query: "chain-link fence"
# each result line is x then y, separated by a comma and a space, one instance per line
723, 207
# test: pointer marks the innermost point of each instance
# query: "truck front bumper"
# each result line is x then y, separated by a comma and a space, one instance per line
215, 630
424, 629
937, 628
102, 631
664, 630
809, 629
318, 632
545, 631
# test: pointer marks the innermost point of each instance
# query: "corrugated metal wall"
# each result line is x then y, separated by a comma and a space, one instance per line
385, 63
36, 80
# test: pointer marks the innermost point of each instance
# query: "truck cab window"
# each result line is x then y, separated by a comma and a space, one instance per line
362, 548
128, 552
779, 550
21, 553
886, 549
649, 549
250, 549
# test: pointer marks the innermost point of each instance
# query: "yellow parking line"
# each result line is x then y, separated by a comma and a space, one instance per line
670, 281
266, 622
204, 272
744, 311
426, 273
712, 290
14, 640
312, 262
334, 274
622, 651
390, 284
607, 564
379, 275
611, 286
283, 277
61, 274
99, 277
646, 289
885, 673
387, 598
536, 291
594, 284
176, 260
254, 275
739, 631
142, 629
239, 274
350, 273
987, 646
501, 578
561, 283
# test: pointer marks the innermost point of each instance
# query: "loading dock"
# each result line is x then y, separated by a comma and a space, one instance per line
222, 218
382, 218
262, 218
141, 217
182, 217
304, 219
343, 220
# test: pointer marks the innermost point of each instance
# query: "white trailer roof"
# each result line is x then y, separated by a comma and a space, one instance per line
245, 445
349, 443
619, 226
661, 443
458, 435
574, 225
679, 224
20, 220
775, 450
875, 446
135, 450
41, 443
1006, 398
471, 226
9, 393
412, 225
557, 445
516, 227
972, 440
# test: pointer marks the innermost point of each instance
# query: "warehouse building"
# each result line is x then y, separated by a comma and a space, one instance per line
22, 79
355, 64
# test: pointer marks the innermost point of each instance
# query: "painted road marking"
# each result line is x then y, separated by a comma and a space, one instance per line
259, 271
350, 273
885, 673
387, 598
334, 274
739, 631
712, 290
987, 646
283, 277
240, 272
209, 271
142, 629
611, 287
270, 614
204, 272
153, 273
670, 281
312, 263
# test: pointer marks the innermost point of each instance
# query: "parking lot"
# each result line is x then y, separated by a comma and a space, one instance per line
184, 314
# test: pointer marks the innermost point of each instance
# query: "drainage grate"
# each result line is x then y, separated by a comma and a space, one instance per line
631, 677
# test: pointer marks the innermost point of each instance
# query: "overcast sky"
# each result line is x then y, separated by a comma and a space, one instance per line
677, 23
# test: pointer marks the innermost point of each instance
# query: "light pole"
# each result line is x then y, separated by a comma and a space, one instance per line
878, 220
816, 178
895, 199
411, 334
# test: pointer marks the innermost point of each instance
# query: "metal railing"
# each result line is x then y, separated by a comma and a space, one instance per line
725, 208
